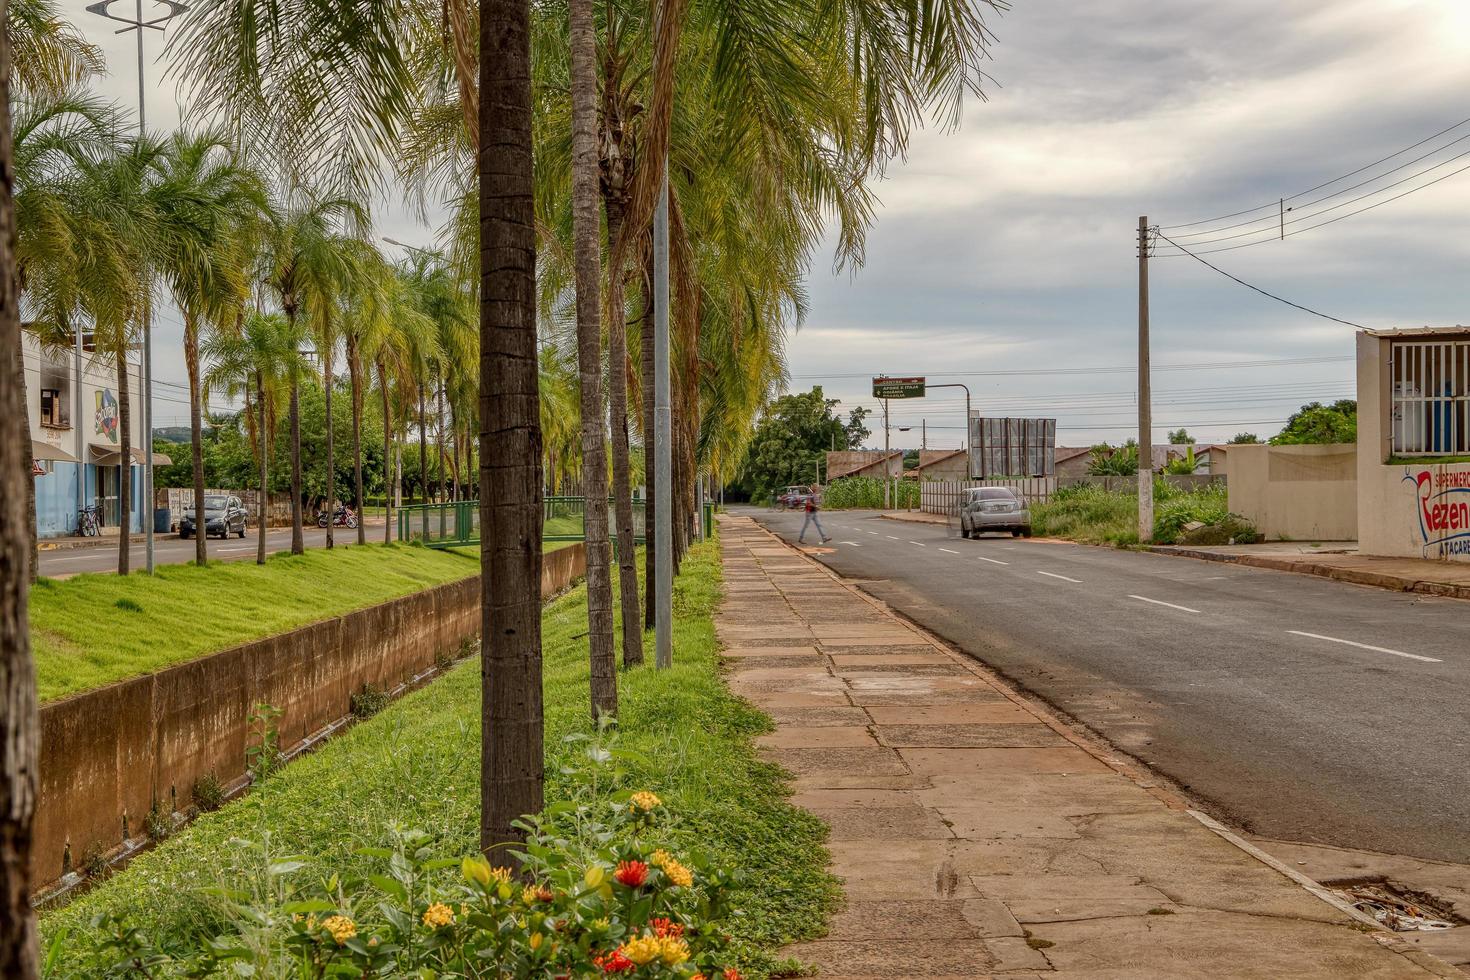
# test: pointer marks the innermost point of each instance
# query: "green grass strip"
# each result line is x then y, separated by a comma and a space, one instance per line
91, 630
416, 765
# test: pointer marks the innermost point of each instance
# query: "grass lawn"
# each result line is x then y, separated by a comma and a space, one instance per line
92, 630
416, 765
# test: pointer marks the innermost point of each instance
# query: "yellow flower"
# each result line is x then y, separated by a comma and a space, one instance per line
673, 950
644, 800
438, 915
341, 928
661, 858
678, 874
601, 925
643, 949
502, 875
536, 940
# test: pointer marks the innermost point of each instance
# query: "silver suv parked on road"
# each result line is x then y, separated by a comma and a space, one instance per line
993, 509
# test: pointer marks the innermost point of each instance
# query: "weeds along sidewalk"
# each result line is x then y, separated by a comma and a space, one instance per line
977, 837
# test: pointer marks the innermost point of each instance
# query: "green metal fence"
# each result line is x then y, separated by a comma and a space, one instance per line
456, 523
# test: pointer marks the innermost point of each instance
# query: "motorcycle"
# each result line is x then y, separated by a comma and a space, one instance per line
344, 517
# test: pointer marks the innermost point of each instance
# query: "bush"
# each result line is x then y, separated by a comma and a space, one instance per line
369, 701
597, 893
209, 793
1094, 515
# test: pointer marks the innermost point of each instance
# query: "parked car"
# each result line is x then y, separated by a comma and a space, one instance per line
994, 509
223, 516
795, 497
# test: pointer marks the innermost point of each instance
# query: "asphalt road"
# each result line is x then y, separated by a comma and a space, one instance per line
1295, 707
170, 549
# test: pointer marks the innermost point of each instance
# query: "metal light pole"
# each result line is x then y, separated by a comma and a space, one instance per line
137, 23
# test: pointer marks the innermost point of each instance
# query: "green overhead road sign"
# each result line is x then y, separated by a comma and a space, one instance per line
898, 387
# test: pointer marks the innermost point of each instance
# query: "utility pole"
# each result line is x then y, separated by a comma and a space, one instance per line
923, 435
662, 433
1145, 406
138, 24
885, 454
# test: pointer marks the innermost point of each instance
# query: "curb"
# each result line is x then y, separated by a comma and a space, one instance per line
1352, 576
1129, 768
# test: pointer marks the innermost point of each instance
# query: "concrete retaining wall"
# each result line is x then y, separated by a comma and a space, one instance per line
108, 754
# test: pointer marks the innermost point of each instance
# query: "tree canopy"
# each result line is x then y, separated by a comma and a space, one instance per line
1318, 423
793, 436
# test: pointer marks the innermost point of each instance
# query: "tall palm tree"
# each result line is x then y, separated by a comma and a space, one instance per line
512, 772
587, 230
209, 207
51, 57
19, 727
304, 261
256, 364
366, 311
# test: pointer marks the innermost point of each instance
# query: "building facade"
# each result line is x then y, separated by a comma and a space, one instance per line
1414, 443
72, 402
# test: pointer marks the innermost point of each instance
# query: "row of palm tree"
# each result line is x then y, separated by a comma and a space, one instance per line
761, 120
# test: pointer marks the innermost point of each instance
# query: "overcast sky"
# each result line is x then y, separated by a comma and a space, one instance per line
1003, 254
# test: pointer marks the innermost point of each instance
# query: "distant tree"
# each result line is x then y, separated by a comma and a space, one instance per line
910, 459
1318, 423
792, 437
857, 432
1181, 437
1245, 439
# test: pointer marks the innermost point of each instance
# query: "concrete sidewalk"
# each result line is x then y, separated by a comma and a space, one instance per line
977, 836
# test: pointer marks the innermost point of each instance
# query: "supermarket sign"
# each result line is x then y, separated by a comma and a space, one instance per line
898, 387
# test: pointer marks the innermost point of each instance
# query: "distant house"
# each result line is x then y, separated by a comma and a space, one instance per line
875, 464
1073, 460
942, 464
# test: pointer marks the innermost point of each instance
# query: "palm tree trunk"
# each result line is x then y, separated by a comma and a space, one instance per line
387, 454
651, 571
512, 770
19, 728
354, 370
29, 464
263, 441
622, 490
423, 448
587, 257
196, 433
125, 464
439, 445
298, 539
331, 457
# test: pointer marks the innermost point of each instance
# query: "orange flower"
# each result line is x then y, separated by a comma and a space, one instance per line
666, 927
631, 873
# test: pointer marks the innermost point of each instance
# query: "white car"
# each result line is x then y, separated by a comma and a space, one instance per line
993, 509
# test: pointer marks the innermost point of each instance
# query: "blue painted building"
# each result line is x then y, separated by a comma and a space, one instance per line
72, 400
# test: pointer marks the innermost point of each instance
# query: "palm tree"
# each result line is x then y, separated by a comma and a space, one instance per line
209, 205
50, 56
19, 726
256, 364
512, 771
305, 261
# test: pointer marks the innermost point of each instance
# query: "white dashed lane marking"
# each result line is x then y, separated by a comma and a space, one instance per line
1160, 602
993, 561
948, 551
1365, 646
1064, 578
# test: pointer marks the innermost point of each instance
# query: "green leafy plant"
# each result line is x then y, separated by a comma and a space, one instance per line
208, 792
1104, 460
158, 822
369, 701
263, 755
866, 493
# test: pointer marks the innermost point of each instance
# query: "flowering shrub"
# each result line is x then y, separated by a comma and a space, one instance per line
592, 896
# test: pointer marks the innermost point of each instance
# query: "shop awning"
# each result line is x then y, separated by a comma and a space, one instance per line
45, 451
111, 456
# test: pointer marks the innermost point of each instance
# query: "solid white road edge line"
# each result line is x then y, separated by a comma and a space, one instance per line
993, 561
1160, 602
1064, 578
1365, 646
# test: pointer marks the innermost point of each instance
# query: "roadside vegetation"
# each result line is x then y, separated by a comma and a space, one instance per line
865, 493
1094, 515
415, 767
91, 630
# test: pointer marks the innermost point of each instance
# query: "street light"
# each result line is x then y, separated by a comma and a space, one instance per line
137, 23
414, 248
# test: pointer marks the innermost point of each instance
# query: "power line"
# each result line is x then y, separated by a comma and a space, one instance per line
1123, 369
1279, 299
1329, 183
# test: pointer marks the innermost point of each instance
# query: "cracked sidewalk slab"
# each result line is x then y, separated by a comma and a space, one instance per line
963, 816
